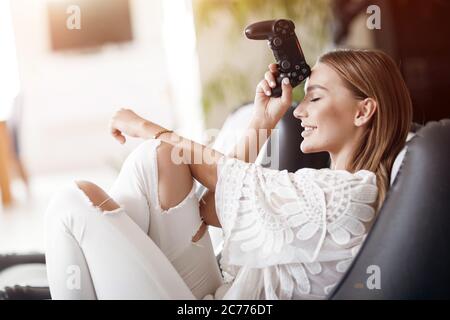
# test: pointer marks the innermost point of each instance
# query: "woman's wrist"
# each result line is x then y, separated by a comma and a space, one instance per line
148, 129
263, 124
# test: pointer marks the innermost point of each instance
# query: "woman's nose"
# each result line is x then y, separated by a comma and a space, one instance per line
299, 112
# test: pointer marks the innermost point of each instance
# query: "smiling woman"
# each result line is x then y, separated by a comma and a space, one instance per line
287, 235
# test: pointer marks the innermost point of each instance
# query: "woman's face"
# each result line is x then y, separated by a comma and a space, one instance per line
327, 112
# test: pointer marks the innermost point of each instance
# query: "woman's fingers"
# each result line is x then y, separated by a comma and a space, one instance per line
273, 67
264, 87
118, 135
286, 94
270, 78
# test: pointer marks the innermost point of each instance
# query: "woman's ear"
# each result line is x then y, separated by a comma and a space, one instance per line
364, 111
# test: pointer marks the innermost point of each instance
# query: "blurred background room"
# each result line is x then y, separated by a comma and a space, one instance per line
67, 65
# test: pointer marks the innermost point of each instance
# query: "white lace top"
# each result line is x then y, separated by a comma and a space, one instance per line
290, 235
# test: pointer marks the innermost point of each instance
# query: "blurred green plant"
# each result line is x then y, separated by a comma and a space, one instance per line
231, 86
227, 81
241, 10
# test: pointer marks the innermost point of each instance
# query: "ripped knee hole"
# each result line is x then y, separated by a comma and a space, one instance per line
98, 197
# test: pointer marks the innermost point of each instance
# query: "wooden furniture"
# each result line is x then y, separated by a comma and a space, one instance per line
5, 158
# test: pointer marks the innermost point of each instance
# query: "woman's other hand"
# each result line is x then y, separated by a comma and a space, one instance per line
269, 110
127, 122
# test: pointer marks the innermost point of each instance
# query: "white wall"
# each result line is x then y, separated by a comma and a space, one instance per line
183, 67
70, 97
9, 76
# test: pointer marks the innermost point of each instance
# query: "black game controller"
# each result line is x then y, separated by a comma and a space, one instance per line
286, 49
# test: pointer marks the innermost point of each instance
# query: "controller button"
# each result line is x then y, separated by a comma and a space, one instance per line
300, 78
294, 74
297, 67
304, 70
285, 64
277, 42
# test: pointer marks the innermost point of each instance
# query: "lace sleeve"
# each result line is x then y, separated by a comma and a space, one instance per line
274, 217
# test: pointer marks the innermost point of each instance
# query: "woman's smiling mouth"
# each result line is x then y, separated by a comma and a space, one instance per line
308, 130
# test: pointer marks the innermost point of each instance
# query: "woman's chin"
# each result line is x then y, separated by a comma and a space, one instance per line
308, 148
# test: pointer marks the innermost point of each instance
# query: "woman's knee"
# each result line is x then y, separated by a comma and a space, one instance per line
72, 205
98, 197
142, 155
62, 205
174, 178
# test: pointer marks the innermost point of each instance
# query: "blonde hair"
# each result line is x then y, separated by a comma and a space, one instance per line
372, 73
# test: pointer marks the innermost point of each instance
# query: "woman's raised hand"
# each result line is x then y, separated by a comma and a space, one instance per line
127, 122
269, 110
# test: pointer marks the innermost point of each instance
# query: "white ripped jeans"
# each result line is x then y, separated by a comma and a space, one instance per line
138, 251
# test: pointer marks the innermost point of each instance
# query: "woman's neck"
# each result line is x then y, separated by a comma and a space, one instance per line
340, 160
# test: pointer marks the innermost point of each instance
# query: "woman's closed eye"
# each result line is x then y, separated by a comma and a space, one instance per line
315, 99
